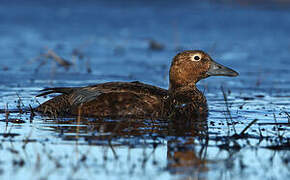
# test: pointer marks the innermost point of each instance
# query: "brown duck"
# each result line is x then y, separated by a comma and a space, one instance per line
135, 99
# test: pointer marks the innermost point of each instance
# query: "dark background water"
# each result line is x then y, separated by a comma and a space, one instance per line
114, 38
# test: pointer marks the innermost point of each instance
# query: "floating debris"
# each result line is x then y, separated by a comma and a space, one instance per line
5, 68
61, 61
12, 120
9, 134
155, 46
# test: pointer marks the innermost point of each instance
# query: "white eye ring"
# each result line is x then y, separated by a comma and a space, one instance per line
196, 57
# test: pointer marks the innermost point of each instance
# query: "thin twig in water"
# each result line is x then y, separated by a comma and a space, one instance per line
88, 66
51, 54
32, 114
113, 150
78, 128
228, 109
248, 126
260, 132
276, 124
26, 140
6, 114
288, 115
19, 104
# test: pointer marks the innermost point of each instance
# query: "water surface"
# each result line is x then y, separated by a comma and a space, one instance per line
111, 42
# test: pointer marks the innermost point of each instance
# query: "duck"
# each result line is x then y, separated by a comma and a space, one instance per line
139, 100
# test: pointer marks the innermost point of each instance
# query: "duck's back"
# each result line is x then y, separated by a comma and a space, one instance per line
114, 99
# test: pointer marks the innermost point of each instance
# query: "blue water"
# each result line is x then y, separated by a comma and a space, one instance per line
114, 40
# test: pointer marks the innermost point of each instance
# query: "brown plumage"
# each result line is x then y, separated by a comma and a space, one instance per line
135, 99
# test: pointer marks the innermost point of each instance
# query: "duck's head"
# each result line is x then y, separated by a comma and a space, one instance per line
188, 67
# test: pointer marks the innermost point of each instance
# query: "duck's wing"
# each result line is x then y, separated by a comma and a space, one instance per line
81, 95
85, 95
76, 95
104, 100
133, 87
90, 93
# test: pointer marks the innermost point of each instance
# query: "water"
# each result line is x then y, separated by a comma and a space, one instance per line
114, 41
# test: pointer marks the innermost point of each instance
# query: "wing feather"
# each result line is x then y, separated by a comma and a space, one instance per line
84, 95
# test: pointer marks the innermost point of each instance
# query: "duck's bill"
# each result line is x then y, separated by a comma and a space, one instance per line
217, 69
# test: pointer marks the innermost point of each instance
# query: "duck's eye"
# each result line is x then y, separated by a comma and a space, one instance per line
196, 57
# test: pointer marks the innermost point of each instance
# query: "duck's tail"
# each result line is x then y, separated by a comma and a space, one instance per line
43, 92
62, 90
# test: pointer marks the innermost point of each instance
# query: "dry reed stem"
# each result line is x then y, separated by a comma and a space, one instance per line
51, 54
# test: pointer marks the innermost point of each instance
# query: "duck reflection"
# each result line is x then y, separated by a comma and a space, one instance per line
186, 139
186, 150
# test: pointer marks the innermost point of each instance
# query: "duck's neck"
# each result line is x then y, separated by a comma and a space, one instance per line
177, 88
189, 95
